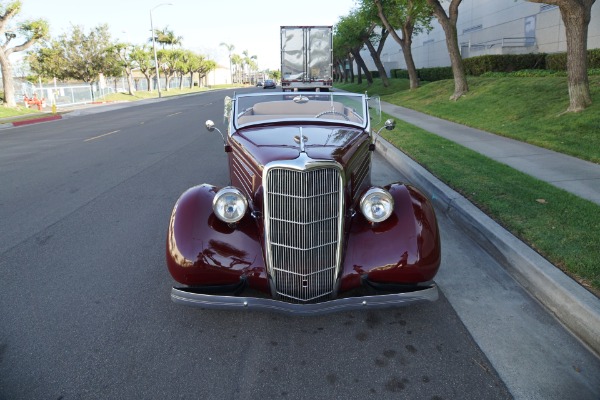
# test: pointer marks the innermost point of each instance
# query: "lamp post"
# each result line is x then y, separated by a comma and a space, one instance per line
154, 46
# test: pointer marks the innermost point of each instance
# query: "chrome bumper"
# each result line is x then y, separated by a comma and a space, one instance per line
181, 296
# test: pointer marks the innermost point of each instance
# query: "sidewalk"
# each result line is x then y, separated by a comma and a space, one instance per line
573, 305
579, 177
67, 112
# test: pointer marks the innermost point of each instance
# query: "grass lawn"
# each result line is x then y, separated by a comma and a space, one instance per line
562, 227
525, 109
8, 112
140, 95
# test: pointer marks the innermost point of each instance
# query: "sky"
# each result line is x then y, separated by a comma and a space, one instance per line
251, 25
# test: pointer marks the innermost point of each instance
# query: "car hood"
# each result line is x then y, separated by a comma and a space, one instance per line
266, 144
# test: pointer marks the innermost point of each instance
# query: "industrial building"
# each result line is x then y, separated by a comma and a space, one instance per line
490, 27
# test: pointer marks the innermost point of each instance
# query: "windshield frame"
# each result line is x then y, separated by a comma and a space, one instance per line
299, 107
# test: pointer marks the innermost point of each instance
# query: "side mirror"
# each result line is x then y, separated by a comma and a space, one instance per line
210, 126
389, 124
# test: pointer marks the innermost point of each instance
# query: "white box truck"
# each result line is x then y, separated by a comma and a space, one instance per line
306, 58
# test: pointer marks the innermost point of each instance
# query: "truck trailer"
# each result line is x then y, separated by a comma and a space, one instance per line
306, 58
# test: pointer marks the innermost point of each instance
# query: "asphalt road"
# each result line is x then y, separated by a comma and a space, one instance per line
85, 311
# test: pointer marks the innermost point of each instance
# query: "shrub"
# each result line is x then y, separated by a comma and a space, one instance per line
594, 58
399, 73
435, 74
504, 63
558, 61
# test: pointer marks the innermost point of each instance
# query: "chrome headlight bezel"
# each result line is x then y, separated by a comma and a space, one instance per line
230, 197
377, 204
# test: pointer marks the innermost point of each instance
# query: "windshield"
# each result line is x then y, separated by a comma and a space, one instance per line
347, 108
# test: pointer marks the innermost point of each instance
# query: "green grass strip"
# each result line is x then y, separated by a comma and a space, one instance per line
562, 227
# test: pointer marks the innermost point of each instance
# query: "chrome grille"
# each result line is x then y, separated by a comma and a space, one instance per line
303, 231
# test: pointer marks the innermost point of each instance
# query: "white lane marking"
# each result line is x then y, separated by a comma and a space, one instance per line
98, 137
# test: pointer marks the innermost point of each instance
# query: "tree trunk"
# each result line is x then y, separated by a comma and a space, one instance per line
149, 80
7, 81
410, 63
359, 71
576, 18
344, 73
192, 80
458, 69
377, 60
576, 15
405, 43
130, 84
167, 81
448, 24
363, 66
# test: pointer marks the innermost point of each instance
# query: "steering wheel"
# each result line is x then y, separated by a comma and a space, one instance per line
332, 112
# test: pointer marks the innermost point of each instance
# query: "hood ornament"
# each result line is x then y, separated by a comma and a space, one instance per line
301, 142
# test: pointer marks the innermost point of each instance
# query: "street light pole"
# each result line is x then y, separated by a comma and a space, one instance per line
154, 46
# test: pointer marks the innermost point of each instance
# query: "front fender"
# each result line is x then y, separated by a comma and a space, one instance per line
404, 249
203, 250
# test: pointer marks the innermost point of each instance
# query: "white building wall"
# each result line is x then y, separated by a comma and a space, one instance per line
490, 27
218, 76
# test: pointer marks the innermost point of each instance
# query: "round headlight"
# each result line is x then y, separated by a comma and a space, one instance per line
229, 205
377, 204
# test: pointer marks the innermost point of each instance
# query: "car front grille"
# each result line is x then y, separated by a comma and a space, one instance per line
303, 226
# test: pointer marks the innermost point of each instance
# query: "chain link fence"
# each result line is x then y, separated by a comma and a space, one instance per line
67, 95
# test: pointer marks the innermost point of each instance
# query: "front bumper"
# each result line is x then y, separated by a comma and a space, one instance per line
210, 301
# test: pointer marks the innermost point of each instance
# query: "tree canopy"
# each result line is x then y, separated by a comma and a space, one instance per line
78, 55
16, 37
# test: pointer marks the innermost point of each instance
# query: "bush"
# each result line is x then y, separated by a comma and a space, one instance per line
435, 74
594, 58
558, 61
477, 66
399, 73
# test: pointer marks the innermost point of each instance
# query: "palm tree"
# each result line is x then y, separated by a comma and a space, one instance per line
229, 48
173, 40
246, 61
166, 36
237, 61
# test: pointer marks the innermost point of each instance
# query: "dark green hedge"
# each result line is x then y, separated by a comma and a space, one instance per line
425, 74
399, 73
558, 61
435, 74
526, 65
374, 74
503, 63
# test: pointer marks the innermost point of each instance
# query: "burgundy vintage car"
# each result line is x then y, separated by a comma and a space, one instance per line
300, 229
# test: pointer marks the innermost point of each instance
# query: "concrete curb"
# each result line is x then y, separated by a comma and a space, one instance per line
37, 120
571, 304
